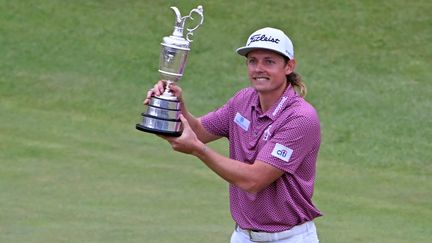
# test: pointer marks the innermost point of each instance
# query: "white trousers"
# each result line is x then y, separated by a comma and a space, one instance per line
304, 233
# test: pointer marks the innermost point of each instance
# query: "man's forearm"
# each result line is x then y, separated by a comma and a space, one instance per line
198, 128
232, 171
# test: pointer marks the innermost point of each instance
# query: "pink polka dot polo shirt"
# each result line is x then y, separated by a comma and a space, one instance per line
287, 136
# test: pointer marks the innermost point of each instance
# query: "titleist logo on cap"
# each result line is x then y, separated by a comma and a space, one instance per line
262, 37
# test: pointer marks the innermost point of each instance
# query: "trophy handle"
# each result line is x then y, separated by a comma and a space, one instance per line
199, 10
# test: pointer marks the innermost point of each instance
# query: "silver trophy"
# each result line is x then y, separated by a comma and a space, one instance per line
162, 114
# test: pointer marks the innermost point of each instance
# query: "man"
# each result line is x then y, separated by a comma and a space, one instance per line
274, 137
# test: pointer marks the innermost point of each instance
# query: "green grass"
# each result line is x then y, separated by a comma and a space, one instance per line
74, 74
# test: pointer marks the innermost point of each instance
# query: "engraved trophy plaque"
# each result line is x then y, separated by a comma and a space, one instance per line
161, 115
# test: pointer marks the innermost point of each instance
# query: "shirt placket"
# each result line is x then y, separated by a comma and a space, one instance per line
258, 123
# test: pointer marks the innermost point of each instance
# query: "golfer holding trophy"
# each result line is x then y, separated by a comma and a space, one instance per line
162, 114
274, 137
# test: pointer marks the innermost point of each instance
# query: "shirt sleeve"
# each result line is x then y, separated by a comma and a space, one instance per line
218, 122
292, 142
215, 122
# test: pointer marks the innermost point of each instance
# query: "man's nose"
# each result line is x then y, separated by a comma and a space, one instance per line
259, 67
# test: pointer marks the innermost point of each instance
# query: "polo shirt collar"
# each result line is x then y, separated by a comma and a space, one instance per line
284, 101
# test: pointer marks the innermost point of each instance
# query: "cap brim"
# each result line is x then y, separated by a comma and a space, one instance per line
245, 50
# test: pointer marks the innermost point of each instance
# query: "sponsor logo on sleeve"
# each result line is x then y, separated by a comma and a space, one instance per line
241, 121
282, 152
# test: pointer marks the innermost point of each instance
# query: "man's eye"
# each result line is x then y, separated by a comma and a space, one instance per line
269, 61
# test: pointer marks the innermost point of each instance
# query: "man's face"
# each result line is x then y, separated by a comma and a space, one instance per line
267, 71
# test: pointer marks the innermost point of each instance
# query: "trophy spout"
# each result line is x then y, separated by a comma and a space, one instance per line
178, 24
177, 13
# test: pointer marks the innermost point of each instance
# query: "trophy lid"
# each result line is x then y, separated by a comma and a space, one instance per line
175, 42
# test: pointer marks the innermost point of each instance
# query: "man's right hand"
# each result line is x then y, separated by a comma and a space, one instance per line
157, 90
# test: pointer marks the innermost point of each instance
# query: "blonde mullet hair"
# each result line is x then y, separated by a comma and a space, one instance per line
295, 80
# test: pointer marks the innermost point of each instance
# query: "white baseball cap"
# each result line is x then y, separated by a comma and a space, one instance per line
270, 39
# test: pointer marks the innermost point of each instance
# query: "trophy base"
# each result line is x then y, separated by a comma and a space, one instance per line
157, 131
161, 117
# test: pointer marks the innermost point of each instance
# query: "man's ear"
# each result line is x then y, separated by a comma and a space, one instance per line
290, 66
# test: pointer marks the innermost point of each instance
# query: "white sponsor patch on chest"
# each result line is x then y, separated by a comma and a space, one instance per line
282, 152
241, 121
